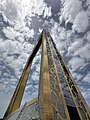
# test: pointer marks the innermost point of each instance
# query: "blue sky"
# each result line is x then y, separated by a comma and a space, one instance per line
21, 22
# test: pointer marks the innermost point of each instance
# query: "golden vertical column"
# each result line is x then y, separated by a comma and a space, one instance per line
19, 91
80, 103
60, 98
46, 109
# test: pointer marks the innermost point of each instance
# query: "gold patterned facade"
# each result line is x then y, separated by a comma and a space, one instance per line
59, 97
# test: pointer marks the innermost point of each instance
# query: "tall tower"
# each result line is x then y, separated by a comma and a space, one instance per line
59, 97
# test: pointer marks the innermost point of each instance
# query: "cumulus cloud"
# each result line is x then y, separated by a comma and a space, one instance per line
33, 7
15, 51
78, 17
83, 52
9, 8
47, 12
10, 33
29, 34
10, 47
81, 22
87, 78
76, 62
75, 46
69, 11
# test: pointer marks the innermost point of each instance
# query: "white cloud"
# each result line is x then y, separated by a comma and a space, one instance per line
61, 36
18, 31
84, 52
70, 9
5, 19
32, 7
29, 34
76, 62
21, 26
9, 8
10, 33
47, 12
87, 78
75, 46
10, 47
81, 22
40, 30
73, 11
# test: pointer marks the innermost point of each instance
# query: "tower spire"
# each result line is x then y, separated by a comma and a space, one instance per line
59, 97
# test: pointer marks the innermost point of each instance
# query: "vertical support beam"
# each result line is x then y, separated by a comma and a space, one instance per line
46, 109
19, 91
81, 105
58, 101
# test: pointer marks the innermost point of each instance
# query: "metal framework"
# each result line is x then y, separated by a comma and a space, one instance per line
59, 96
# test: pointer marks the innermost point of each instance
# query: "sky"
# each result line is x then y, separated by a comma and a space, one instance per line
21, 22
